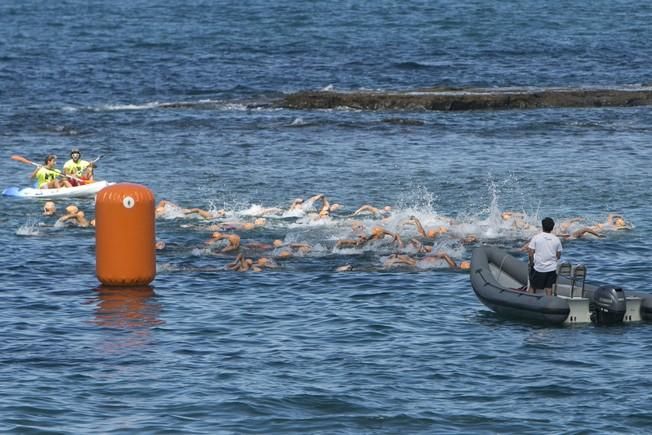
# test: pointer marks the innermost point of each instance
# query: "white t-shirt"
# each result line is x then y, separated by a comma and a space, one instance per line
545, 246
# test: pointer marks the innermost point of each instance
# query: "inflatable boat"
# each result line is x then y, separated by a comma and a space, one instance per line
500, 281
63, 192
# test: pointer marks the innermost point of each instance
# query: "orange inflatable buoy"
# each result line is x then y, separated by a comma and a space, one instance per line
125, 235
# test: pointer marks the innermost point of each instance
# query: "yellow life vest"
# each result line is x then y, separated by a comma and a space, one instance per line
76, 169
45, 175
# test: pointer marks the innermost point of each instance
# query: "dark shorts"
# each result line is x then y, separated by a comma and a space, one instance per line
541, 280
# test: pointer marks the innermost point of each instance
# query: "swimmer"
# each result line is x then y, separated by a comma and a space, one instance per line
75, 216
469, 239
257, 246
351, 243
399, 260
327, 208
297, 204
507, 215
357, 238
264, 262
324, 211
264, 211
257, 223
431, 233
310, 201
616, 221
335, 207
243, 226
206, 214
464, 265
369, 209
233, 241
578, 234
428, 261
419, 247
242, 264
358, 228
287, 250
565, 225
518, 219
300, 204
166, 208
49, 208
379, 233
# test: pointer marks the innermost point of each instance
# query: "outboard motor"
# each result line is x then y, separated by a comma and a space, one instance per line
608, 305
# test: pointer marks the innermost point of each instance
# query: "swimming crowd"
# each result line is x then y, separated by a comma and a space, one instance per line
400, 241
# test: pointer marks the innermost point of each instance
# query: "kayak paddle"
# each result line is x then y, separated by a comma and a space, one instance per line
29, 162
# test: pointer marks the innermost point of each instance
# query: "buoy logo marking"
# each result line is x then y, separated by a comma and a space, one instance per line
128, 202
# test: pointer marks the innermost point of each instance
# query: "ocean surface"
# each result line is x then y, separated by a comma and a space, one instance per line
179, 97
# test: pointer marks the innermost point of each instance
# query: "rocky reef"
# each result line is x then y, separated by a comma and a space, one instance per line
470, 99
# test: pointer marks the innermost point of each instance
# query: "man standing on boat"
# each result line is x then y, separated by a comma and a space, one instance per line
75, 166
544, 251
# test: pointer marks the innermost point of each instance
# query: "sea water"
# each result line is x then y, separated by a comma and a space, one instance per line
180, 97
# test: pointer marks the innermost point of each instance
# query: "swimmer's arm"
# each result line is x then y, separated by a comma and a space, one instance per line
417, 223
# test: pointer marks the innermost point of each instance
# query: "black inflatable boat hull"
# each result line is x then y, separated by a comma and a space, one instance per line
498, 280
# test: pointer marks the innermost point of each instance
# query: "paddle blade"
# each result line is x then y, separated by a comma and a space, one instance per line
22, 159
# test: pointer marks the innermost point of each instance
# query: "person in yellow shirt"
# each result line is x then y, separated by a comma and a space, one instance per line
47, 176
75, 166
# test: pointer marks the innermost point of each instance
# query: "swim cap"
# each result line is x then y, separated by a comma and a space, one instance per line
75, 150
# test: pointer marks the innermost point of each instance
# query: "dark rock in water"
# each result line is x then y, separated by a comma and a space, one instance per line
469, 99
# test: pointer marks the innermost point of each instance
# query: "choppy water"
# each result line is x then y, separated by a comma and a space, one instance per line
304, 348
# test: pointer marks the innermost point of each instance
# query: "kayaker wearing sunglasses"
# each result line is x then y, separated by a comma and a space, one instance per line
75, 166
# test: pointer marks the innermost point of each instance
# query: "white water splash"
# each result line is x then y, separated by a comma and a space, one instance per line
29, 229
